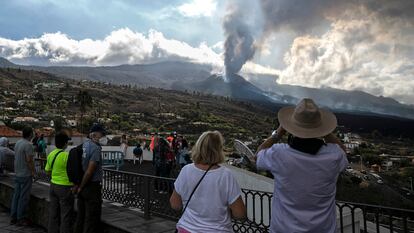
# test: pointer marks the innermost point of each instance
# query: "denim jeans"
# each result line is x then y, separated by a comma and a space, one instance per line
61, 214
21, 197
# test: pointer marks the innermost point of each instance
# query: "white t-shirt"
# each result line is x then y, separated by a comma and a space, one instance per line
208, 209
305, 187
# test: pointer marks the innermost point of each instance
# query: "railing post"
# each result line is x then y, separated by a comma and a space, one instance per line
147, 200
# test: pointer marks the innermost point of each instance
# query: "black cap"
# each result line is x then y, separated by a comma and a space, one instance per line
96, 127
61, 139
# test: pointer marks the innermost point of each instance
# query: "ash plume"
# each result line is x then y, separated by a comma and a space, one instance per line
346, 44
239, 44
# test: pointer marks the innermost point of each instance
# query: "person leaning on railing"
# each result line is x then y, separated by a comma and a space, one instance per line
5, 154
208, 192
61, 196
305, 169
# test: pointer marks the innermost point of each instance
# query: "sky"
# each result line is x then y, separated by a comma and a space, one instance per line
353, 45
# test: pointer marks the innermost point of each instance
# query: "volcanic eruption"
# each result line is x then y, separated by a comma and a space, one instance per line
239, 44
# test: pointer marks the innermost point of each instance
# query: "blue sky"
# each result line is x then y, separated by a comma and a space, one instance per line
96, 19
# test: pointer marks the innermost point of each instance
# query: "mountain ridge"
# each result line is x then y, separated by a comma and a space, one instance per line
181, 75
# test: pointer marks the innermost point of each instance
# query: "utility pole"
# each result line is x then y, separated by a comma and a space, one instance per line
360, 161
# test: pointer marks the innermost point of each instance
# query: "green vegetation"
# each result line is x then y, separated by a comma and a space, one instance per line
128, 108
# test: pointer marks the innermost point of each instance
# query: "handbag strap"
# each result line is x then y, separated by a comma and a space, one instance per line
53, 161
191, 195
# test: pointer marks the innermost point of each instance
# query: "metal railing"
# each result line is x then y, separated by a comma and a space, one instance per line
40, 164
376, 218
113, 159
151, 195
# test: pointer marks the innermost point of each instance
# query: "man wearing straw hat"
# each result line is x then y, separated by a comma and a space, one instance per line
305, 169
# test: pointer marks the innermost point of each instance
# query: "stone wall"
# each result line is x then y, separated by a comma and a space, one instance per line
38, 206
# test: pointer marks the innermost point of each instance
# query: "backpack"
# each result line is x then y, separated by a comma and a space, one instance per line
137, 151
74, 167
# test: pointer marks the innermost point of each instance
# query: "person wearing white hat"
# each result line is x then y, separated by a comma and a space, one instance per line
305, 169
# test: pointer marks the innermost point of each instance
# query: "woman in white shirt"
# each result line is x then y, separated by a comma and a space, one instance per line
217, 199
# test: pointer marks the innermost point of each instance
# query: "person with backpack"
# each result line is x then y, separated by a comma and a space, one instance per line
138, 153
89, 192
61, 192
162, 154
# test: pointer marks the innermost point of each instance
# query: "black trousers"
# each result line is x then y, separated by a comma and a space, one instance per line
61, 213
88, 219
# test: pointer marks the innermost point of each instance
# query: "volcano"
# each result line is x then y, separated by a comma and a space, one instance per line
234, 86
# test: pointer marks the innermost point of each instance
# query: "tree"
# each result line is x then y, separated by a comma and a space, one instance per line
62, 104
58, 124
84, 100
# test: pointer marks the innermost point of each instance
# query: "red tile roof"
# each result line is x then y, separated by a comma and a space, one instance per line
9, 132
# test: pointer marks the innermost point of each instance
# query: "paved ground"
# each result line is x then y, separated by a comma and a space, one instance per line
144, 168
127, 219
114, 214
5, 226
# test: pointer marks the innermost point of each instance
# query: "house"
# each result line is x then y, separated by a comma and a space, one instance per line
10, 133
25, 119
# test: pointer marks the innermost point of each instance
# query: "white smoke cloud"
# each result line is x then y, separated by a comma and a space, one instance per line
363, 50
122, 46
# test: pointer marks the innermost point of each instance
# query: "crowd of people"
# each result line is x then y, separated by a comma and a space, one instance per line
168, 153
305, 171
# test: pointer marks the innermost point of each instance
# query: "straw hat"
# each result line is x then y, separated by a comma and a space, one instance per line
306, 120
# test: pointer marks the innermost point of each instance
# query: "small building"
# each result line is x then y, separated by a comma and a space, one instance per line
25, 119
11, 134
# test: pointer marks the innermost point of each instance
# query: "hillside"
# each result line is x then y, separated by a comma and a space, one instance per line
126, 108
193, 77
340, 100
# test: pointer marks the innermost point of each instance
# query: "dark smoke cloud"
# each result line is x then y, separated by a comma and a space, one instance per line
346, 44
302, 16
239, 44
297, 15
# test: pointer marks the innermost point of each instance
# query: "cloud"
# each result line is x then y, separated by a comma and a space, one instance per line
363, 50
198, 8
122, 46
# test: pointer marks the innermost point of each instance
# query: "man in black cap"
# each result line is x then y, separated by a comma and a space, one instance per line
90, 189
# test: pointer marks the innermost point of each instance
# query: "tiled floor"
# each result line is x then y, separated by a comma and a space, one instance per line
5, 226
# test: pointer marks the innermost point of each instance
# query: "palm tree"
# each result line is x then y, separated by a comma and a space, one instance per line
84, 100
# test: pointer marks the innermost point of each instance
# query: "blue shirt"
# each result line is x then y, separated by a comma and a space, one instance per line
92, 152
305, 187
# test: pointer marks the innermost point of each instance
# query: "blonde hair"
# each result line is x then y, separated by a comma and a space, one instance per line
209, 148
